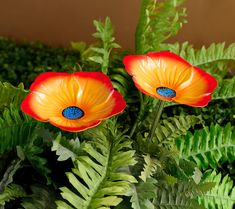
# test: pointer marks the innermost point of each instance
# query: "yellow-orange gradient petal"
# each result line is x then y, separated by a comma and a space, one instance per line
192, 86
90, 92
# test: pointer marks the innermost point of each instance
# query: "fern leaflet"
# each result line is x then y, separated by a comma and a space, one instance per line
66, 149
11, 192
143, 194
203, 56
209, 146
42, 197
150, 167
222, 196
181, 195
10, 94
16, 129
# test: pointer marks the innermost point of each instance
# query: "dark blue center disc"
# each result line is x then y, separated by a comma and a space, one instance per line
166, 92
72, 113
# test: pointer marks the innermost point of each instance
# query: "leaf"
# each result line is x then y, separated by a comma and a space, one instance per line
225, 90
16, 129
167, 131
197, 175
65, 148
105, 35
10, 94
96, 59
9, 173
32, 153
11, 192
143, 194
150, 167
222, 196
41, 197
99, 178
157, 23
182, 195
209, 146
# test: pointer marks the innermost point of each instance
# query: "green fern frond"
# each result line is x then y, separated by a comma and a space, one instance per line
222, 196
182, 195
173, 127
41, 198
98, 177
32, 153
158, 22
65, 148
9, 173
11, 192
143, 193
10, 94
16, 129
208, 146
198, 57
105, 34
123, 83
225, 90
150, 167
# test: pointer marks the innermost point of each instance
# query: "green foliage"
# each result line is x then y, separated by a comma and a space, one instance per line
209, 146
24, 61
103, 182
65, 148
123, 83
226, 89
173, 127
11, 192
201, 57
41, 198
8, 175
167, 131
16, 129
10, 94
222, 196
150, 167
158, 22
32, 152
143, 193
182, 195
105, 34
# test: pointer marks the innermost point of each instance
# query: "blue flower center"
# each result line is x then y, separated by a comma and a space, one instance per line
166, 92
73, 113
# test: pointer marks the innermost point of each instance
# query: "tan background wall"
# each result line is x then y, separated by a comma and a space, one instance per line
58, 22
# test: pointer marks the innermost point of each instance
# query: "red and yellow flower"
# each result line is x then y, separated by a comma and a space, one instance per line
72, 102
166, 76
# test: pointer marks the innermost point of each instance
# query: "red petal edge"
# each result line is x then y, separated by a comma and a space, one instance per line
77, 129
129, 60
45, 76
167, 54
211, 81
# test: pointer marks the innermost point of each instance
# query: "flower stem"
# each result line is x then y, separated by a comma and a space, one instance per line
158, 113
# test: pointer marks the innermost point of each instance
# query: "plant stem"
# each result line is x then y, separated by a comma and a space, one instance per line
141, 27
158, 114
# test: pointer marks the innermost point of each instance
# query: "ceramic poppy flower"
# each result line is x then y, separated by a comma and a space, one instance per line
166, 76
72, 102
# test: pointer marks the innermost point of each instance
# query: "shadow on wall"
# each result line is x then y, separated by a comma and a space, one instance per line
58, 22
